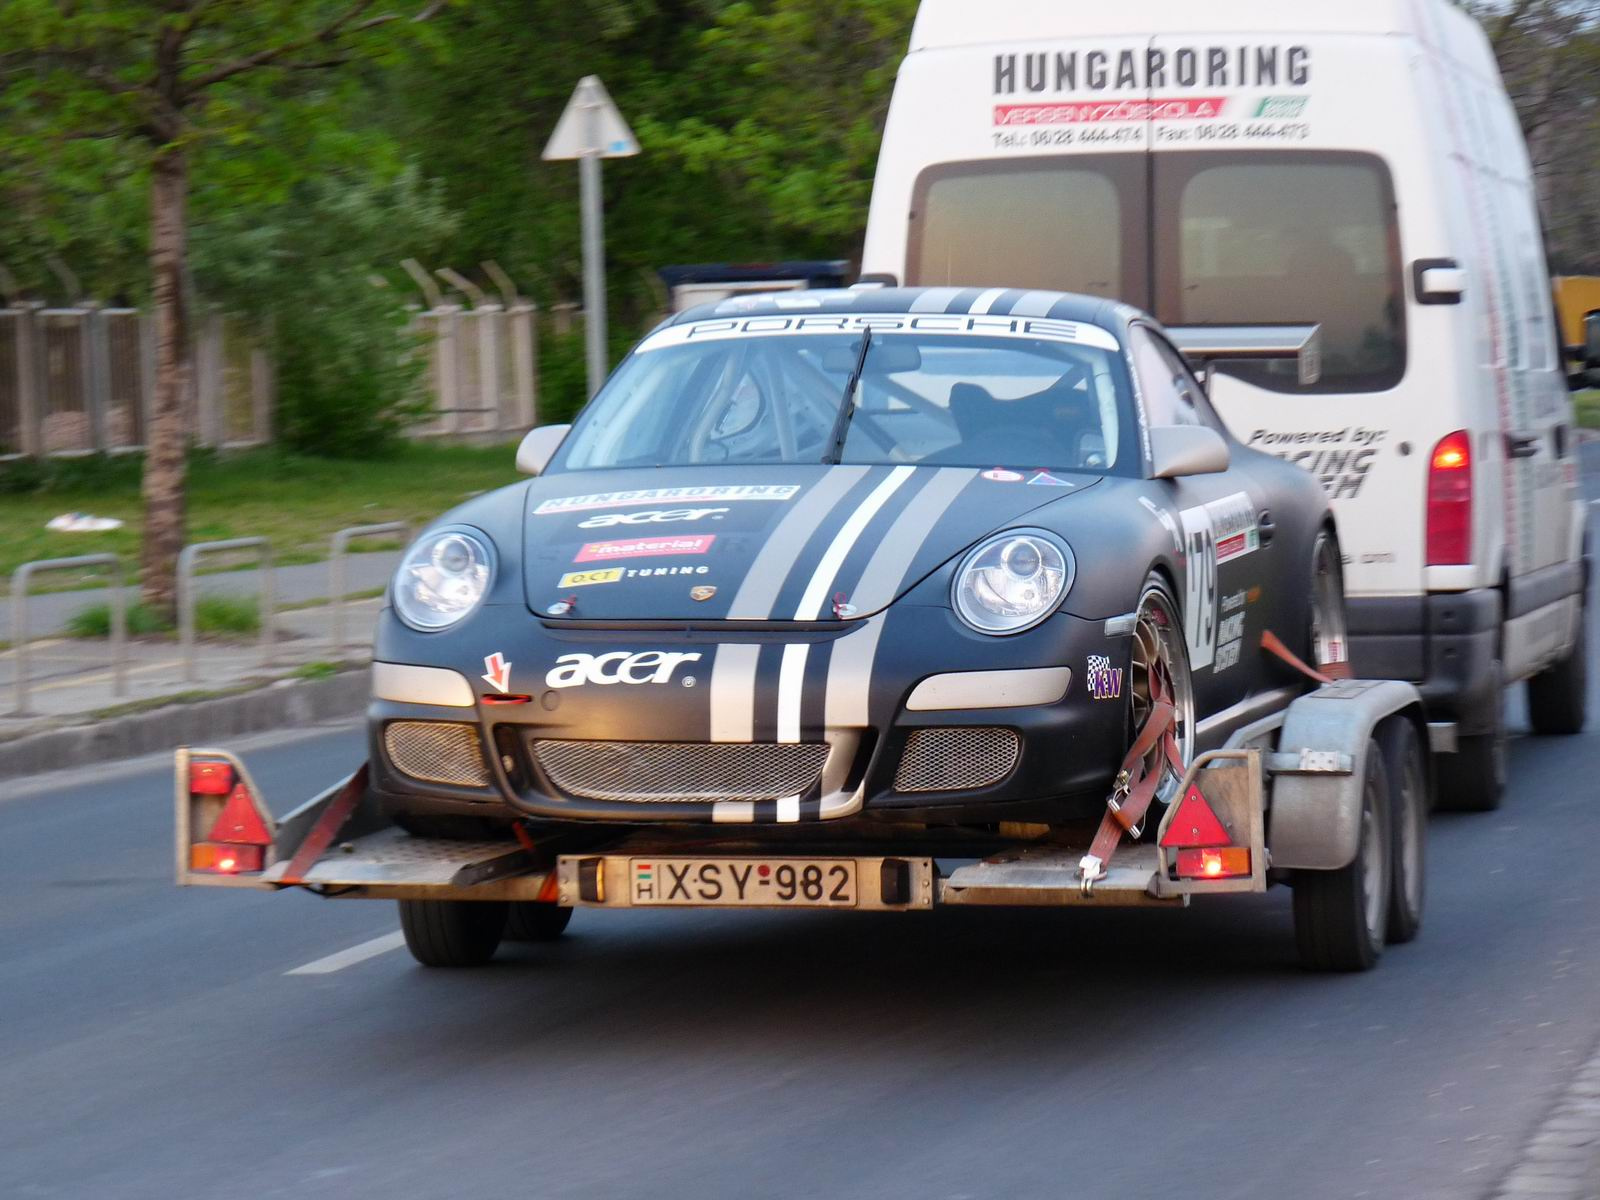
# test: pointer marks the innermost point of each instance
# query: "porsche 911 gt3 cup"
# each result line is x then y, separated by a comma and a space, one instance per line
853, 558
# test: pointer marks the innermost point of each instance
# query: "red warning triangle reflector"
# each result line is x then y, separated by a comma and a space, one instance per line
1194, 826
239, 824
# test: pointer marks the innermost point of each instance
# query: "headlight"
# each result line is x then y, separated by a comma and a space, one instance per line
1013, 581
443, 578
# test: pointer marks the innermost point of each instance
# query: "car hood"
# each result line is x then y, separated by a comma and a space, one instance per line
760, 543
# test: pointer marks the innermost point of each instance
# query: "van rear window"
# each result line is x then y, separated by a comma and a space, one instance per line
1260, 237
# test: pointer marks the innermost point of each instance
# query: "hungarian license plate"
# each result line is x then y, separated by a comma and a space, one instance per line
743, 882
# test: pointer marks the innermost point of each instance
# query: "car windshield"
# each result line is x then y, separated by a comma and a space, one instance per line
992, 392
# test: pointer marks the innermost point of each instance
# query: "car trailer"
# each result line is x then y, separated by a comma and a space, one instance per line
1329, 795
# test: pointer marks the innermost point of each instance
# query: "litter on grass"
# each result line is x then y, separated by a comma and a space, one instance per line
81, 523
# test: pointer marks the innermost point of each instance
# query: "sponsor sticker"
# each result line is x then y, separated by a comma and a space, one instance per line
1284, 108
682, 495
1093, 112
1045, 479
1342, 459
1215, 533
1230, 640
999, 475
651, 517
664, 572
1104, 681
661, 547
619, 666
590, 578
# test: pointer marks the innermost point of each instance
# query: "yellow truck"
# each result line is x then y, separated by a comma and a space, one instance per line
1576, 297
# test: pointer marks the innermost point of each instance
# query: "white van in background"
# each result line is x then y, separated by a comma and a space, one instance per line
1355, 166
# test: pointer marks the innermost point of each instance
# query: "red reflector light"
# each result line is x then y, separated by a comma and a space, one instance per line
239, 823
1227, 862
1194, 824
208, 777
214, 858
1450, 501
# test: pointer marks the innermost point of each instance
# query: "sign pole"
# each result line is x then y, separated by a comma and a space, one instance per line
594, 268
591, 129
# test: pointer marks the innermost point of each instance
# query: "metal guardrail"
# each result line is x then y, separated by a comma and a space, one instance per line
20, 579
336, 577
186, 597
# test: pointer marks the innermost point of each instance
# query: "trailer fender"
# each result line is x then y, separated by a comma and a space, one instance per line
1321, 761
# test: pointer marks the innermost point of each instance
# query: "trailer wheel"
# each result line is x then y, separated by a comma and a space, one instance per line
530, 921
1341, 917
1473, 779
452, 933
1558, 696
1408, 804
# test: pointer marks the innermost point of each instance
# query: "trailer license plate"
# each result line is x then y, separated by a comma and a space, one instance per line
744, 882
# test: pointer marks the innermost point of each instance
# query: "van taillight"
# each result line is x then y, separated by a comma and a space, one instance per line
1450, 501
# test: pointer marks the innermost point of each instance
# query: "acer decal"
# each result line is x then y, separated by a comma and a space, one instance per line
653, 517
619, 666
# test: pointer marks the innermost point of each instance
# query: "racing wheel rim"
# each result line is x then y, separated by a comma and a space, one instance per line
1159, 647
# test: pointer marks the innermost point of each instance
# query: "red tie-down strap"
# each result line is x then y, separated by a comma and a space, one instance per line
1330, 673
1137, 780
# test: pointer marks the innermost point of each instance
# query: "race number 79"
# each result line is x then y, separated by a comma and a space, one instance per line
1200, 587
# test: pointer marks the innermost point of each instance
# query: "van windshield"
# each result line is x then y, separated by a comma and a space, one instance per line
1263, 237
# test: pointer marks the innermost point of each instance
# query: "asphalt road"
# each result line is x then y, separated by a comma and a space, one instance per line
153, 1042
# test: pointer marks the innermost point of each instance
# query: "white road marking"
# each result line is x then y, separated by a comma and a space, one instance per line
352, 956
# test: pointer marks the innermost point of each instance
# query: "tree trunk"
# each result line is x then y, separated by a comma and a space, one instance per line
167, 442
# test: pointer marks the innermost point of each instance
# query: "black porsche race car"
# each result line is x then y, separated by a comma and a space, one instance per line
845, 558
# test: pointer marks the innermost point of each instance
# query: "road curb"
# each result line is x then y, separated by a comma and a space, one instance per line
1562, 1160
286, 703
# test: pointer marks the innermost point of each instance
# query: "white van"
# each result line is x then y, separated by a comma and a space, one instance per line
1249, 162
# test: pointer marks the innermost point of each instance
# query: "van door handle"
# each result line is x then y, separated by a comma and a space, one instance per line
1521, 447
1265, 526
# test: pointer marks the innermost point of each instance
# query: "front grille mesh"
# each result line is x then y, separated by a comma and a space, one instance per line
681, 772
436, 752
956, 760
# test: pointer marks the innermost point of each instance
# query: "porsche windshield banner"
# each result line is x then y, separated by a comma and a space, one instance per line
790, 325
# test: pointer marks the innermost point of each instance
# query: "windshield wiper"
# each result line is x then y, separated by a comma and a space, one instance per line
841, 427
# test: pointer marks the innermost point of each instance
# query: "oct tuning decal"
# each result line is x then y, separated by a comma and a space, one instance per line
1213, 534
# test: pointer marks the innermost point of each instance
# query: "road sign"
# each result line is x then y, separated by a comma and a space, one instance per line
590, 129
591, 124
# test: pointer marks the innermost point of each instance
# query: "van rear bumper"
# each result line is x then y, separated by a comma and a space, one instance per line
1445, 644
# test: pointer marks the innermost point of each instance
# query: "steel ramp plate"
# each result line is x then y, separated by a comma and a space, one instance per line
393, 858
1048, 875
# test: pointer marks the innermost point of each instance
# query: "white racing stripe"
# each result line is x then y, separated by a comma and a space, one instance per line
985, 302
792, 674
352, 956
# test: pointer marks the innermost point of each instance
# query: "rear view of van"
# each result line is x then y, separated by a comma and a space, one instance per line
1356, 167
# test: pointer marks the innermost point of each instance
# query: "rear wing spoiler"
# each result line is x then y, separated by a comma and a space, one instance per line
1206, 344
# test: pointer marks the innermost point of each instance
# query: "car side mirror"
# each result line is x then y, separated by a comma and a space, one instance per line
1177, 451
539, 447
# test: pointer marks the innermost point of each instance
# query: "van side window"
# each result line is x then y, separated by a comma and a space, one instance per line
1164, 381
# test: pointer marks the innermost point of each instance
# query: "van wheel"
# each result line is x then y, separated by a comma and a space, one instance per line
1473, 779
452, 933
1558, 696
1408, 805
1342, 917
530, 921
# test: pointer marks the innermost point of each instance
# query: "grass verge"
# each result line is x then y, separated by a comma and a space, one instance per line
216, 616
297, 502
1588, 407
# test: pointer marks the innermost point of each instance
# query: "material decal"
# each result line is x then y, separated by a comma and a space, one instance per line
681, 495
590, 578
1341, 459
1104, 681
662, 547
998, 475
651, 517
497, 671
1045, 479
619, 666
